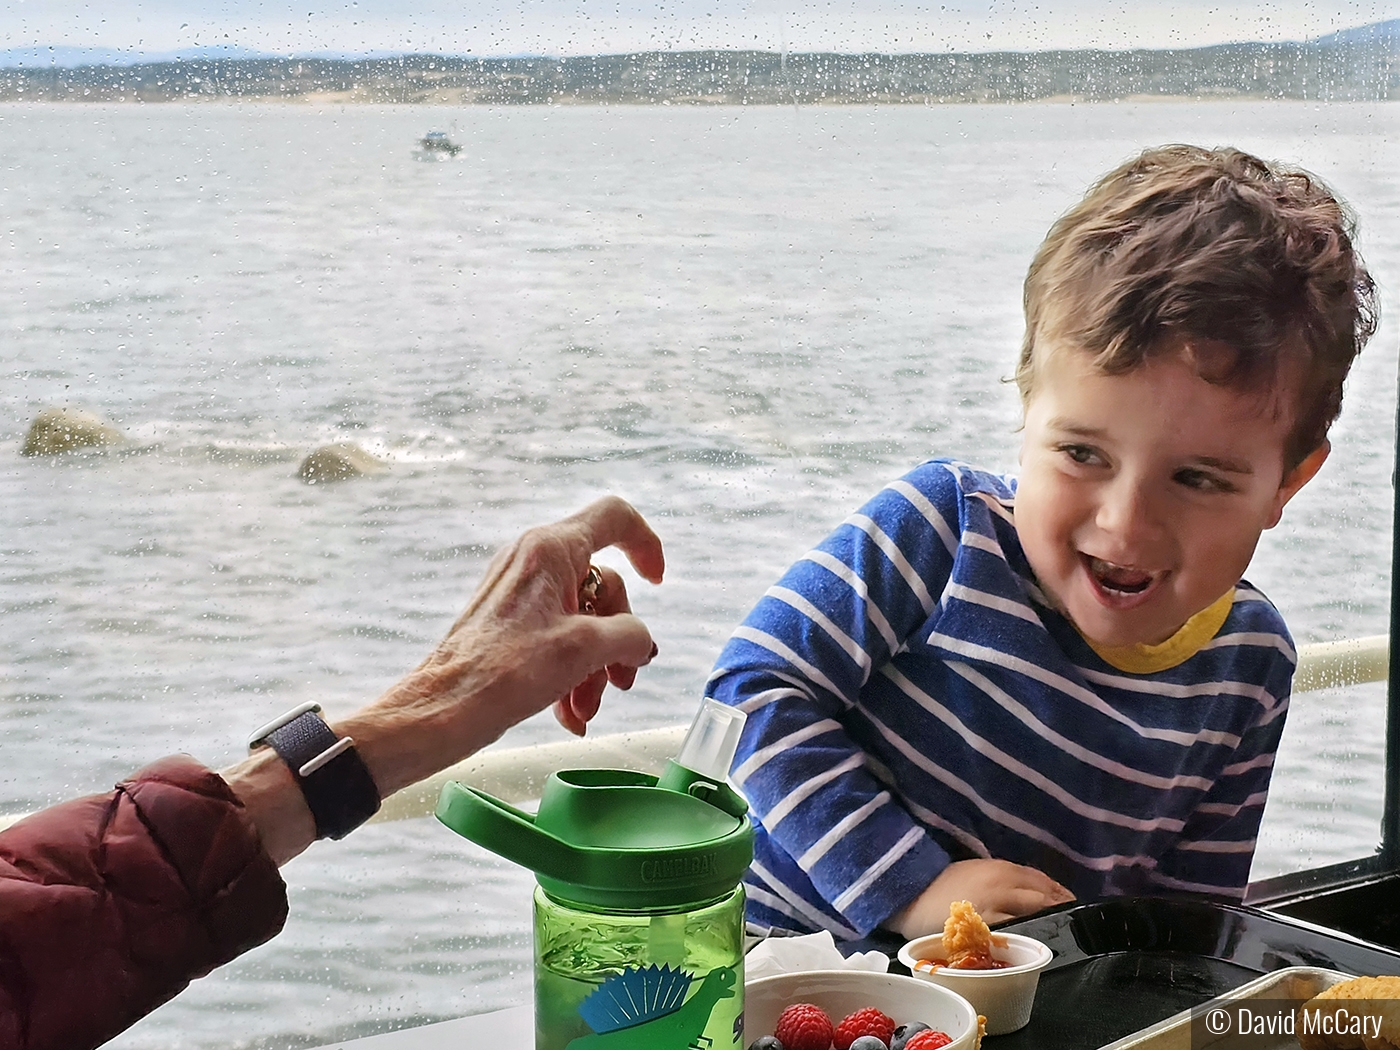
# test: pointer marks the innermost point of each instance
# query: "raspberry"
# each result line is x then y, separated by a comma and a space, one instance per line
803, 1026
929, 1040
868, 1021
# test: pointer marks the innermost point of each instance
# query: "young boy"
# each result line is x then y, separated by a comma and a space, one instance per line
1019, 691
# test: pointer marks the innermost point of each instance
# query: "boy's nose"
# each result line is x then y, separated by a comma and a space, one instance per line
1126, 515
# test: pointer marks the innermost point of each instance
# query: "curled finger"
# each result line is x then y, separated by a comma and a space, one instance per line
576, 708
564, 715
613, 522
586, 698
622, 676
609, 596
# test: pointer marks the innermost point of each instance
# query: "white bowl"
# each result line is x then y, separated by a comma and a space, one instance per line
843, 992
1004, 997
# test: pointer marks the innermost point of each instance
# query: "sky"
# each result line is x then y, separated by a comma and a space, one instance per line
572, 27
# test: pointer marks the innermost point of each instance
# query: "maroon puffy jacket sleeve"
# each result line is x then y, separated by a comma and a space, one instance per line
112, 904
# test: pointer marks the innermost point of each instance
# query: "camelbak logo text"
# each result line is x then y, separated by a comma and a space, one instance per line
677, 868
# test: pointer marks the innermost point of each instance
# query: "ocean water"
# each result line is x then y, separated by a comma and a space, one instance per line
745, 320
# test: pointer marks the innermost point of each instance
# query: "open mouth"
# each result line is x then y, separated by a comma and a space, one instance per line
1119, 583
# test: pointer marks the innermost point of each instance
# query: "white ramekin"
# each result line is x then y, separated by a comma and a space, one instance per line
1005, 996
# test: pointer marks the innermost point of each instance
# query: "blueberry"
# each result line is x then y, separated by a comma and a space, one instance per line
905, 1032
869, 1042
766, 1042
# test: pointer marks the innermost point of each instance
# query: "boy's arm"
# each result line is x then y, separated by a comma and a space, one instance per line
797, 665
1214, 851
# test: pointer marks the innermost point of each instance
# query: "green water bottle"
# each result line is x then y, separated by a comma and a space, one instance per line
639, 914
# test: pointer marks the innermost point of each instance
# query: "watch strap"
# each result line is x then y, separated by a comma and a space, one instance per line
338, 787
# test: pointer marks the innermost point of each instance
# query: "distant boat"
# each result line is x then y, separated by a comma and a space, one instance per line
435, 145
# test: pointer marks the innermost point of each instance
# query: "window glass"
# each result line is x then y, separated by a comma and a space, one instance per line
743, 318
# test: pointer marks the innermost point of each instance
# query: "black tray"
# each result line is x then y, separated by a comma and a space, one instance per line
1123, 964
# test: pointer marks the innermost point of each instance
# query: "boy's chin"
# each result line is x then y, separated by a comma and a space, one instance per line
1120, 631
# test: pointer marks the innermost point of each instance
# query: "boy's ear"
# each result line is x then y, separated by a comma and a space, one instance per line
1296, 478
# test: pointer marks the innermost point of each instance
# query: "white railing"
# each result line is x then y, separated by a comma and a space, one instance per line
518, 774
1327, 665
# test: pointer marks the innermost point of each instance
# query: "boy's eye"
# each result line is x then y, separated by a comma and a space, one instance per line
1202, 480
1082, 454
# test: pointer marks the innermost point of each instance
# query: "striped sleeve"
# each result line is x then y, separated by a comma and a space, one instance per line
798, 663
1212, 855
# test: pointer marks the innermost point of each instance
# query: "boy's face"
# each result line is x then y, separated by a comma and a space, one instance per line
1142, 495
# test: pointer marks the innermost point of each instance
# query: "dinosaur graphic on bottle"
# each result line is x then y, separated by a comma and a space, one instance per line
656, 1009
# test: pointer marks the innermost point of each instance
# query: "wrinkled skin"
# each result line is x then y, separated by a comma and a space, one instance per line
521, 645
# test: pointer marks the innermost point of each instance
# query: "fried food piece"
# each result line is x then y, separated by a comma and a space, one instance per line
967, 941
1370, 997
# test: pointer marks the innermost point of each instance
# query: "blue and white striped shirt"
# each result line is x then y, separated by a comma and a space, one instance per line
913, 700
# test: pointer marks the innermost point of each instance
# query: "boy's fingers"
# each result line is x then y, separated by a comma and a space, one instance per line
1034, 878
1058, 894
1025, 901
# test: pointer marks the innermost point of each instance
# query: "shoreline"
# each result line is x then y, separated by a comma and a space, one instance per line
362, 98
1360, 71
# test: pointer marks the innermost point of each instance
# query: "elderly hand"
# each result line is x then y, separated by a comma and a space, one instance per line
522, 644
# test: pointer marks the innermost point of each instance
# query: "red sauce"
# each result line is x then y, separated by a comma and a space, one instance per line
971, 962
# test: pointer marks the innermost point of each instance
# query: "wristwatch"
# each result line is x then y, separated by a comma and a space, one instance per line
339, 789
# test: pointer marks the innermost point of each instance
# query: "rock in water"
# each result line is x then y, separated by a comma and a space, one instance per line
337, 463
56, 430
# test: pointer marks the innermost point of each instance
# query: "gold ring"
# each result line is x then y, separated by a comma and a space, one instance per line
589, 589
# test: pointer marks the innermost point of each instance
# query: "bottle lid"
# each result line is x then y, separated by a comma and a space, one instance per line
622, 840
709, 747
615, 839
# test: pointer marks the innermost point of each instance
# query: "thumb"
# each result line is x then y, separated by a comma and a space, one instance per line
593, 642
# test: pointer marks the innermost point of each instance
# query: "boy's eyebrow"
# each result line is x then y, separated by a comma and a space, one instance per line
1077, 429
1230, 466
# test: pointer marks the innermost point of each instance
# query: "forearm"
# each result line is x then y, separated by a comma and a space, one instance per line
404, 736
809, 784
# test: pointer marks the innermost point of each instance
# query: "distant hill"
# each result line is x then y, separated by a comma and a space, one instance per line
75, 57
1361, 64
1385, 33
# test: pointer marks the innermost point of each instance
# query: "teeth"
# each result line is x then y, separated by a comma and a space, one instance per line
1119, 577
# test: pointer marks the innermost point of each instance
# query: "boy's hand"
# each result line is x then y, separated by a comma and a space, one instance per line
998, 889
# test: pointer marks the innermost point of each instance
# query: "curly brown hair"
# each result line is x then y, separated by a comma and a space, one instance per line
1211, 245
